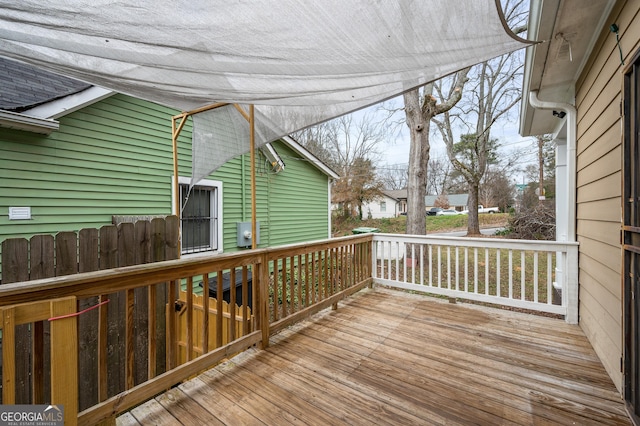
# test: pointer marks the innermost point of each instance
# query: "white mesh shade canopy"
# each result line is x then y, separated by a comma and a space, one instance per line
299, 62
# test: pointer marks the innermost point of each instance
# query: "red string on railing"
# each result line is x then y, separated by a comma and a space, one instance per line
80, 312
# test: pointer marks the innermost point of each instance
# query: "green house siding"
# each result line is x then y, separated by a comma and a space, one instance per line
298, 201
115, 158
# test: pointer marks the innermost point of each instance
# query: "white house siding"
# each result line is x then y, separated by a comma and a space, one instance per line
375, 211
599, 168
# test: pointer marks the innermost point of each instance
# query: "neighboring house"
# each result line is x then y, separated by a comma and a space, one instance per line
387, 205
73, 155
399, 198
456, 201
583, 95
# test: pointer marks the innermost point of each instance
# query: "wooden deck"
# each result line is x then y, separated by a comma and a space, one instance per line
387, 357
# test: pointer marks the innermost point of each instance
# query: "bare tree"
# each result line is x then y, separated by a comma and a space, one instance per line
420, 107
348, 144
438, 176
497, 189
394, 177
493, 90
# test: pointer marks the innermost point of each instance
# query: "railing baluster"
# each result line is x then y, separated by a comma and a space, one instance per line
292, 285
510, 274
397, 259
498, 274
315, 285
275, 288
535, 276
522, 275
232, 305
475, 270
205, 308
245, 302
219, 293
347, 266
413, 263
486, 271
430, 265
389, 261
466, 269
439, 266
457, 268
421, 263
449, 267
308, 279
189, 327
282, 282
405, 258
549, 277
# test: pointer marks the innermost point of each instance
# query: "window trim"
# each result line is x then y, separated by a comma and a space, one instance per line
206, 183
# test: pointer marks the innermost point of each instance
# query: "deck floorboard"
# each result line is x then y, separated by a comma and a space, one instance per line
389, 357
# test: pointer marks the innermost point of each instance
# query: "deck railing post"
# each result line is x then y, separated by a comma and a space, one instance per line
64, 358
570, 291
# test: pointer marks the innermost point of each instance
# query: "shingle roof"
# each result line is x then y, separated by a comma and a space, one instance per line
454, 199
396, 194
23, 86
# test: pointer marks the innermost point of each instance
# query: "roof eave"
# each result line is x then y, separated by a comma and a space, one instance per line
68, 104
548, 19
309, 156
14, 120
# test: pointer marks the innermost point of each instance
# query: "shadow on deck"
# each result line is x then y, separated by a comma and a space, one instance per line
389, 357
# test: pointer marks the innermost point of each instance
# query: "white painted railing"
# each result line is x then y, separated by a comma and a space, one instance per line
534, 275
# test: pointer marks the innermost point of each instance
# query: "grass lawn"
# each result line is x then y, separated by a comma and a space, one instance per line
398, 225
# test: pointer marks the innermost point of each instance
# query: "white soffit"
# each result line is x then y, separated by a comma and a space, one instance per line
569, 29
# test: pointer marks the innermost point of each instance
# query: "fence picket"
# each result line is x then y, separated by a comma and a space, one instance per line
88, 324
42, 266
158, 235
141, 315
15, 254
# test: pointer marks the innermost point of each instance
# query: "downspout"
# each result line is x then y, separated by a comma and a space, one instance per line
567, 270
572, 126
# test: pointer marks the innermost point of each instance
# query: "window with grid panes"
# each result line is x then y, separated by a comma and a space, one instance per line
200, 217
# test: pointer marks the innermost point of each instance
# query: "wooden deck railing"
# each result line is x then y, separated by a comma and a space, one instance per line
287, 284
268, 290
518, 273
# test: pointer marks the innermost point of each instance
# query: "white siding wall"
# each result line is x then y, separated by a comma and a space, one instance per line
377, 211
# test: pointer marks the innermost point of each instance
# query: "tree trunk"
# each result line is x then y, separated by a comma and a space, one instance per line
418, 161
473, 224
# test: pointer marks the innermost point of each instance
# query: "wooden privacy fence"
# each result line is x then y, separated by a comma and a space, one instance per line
316, 274
67, 253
